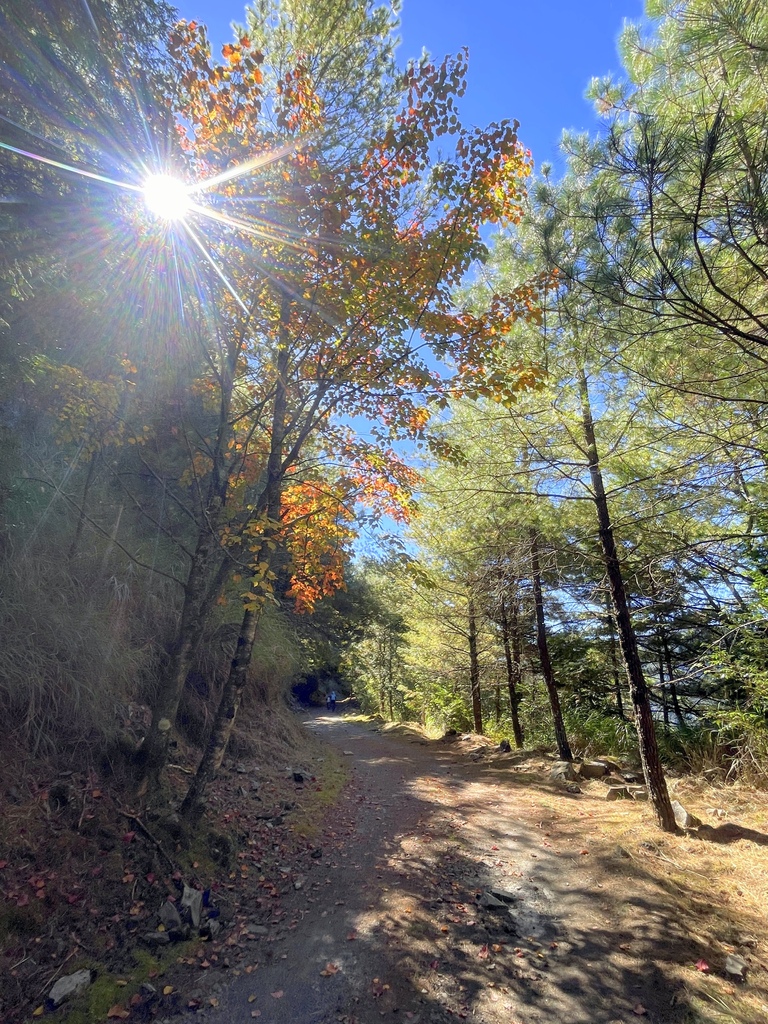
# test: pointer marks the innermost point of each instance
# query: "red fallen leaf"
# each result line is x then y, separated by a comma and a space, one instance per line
494, 847
277, 995
483, 954
150, 878
129, 837
23, 900
118, 1011
351, 936
639, 1009
582, 852
3, 864
135, 999
95, 793
435, 964
330, 969
702, 965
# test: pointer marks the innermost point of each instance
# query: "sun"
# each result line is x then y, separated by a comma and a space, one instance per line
167, 197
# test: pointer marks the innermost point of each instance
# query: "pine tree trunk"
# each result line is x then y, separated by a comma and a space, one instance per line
474, 670
563, 747
646, 732
513, 670
614, 659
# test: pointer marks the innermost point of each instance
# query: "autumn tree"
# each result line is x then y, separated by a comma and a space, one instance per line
321, 316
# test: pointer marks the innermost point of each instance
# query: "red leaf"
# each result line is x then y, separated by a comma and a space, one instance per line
639, 1009
129, 837
702, 965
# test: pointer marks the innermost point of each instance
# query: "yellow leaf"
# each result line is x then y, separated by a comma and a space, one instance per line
167, 990
38, 1012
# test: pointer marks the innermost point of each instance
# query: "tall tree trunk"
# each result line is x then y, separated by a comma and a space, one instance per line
614, 659
646, 732
474, 670
561, 738
232, 694
682, 722
513, 663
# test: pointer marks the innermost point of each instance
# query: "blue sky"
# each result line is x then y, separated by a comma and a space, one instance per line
531, 61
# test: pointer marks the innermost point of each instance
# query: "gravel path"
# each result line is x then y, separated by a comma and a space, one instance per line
438, 897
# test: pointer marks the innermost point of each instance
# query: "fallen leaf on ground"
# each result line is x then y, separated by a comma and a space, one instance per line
255, 1013
167, 989
702, 965
277, 995
118, 1012
639, 1009
330, 969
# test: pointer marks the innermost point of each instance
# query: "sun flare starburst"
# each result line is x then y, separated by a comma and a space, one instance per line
167, 197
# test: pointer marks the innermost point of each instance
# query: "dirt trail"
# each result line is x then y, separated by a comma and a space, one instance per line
391, 921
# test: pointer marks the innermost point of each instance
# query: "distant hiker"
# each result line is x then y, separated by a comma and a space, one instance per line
332, 700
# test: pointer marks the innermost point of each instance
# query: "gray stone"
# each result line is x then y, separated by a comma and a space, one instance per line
638, 792
256, 929
156, 938
562, 771
170, 916
630, 776
716, 812
211, 928
592, 770
68, 986
489, 900
193, 900
504, 894
617, 793
736, 967
683, 818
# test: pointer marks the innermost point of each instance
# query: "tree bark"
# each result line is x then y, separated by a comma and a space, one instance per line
646, 732
614, 659
563, 747
474, 669
232, 694
513, 661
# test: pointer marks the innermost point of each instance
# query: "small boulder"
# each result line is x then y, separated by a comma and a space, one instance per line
156, 938
193, 901
489, 900
170, 916
562, 771
593, 770
736, 967
617, 793
684, 818
638, 792
69, 986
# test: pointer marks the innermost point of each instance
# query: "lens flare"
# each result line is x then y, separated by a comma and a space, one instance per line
167, 197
